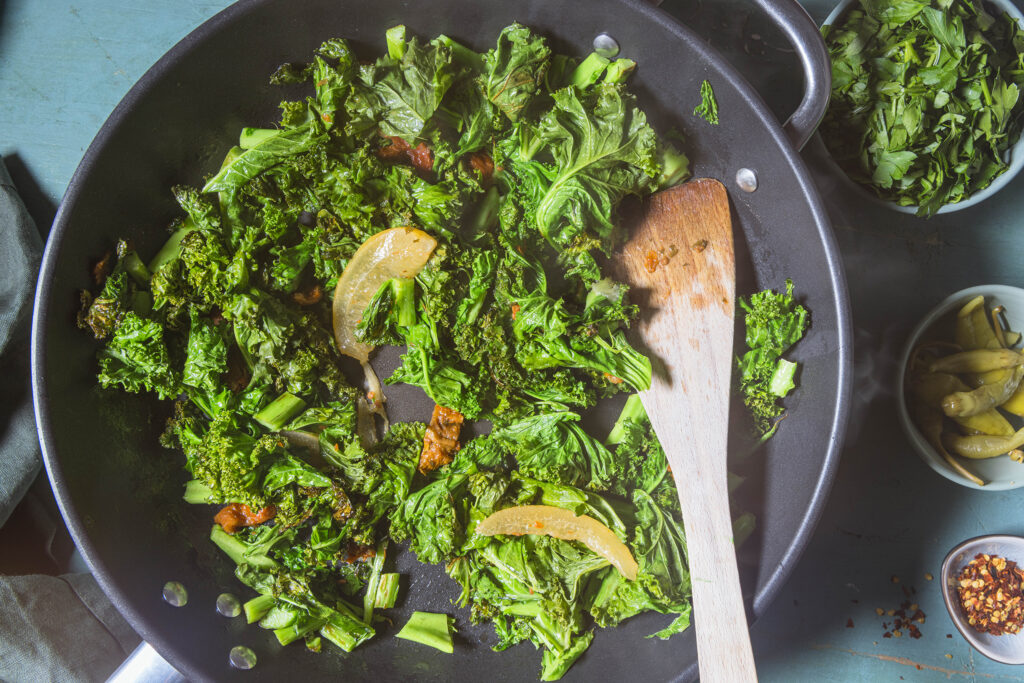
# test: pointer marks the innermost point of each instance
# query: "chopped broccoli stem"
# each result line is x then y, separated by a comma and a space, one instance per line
782, 379
619, 70
632, 411
395, 37
387, 591
279, 617
235, 549
376, 567
197, 493
405, 300
342, 628
258, 607
280, 412
589, 70
430, 629
299, 629
134, 266
172, 247
462, 54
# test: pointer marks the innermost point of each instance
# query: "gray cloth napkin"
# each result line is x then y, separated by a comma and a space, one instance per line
20, 249
52, 628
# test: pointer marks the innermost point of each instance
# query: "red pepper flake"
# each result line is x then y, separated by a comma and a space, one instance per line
515, 310
849, 623
990, 593
651, 261
327, 117
612, 378
904, 617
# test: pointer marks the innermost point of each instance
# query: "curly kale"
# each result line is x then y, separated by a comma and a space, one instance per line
514, 161
774, 322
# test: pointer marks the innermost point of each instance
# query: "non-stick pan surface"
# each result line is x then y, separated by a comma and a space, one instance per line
119, 490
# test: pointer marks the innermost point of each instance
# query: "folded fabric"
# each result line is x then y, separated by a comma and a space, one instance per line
20, 250
52, 628
60, 628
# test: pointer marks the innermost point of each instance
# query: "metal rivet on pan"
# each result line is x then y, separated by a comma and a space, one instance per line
175, 594
242, 657
606, 46
746, 179
228, 605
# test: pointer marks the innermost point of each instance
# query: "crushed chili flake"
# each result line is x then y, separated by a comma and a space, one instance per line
990, 594
903, 620
849, 623
651, 261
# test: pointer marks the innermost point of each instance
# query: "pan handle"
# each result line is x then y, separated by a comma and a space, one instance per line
806, 39
145, 665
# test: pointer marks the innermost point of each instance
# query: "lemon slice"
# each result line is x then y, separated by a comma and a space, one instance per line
397, 252
557, 522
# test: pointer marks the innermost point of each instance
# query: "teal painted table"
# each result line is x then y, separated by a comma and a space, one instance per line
63, 67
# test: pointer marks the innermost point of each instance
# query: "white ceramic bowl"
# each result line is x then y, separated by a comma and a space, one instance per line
1014, 155
999, 473
1007, 648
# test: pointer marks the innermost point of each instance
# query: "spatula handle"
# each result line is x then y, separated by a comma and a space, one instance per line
723, 636
696, 449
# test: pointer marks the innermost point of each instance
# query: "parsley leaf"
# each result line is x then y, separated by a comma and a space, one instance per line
708, 107
925, 98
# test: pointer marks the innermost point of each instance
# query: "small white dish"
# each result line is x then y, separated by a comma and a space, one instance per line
1007, 648
1014, 155
999, 473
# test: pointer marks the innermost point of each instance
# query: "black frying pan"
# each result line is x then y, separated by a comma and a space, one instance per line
119, 491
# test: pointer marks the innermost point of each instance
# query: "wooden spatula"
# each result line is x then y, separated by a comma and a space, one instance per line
681, 253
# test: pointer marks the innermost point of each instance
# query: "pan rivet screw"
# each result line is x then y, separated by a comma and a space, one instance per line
228, 605
606, 46
175, 594
746, 179
242, 657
